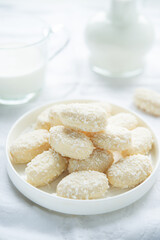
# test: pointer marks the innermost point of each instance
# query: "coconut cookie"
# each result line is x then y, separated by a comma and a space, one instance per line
70, 143
130, 171
99, 160
114, 138
43, 121
126, 120
82, 116
45, 168
54, 114
106, 106
142, 141
147, 100
29, 145
83, 185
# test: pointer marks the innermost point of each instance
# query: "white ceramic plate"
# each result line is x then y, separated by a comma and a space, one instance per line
46, 196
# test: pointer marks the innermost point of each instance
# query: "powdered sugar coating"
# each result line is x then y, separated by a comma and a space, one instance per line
45, 168
142, 141
147, 100
43, 121
29, 145
82, 116
99, 160
130, 171
114, 138
83, 185
70, 143
126, 120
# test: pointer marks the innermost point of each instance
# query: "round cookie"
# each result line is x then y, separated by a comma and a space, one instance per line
142, 141
29, 145
99, 160
126, 120
147, 100
81, 116
114, 138
130, 171
83, 185
45, 168
70, 143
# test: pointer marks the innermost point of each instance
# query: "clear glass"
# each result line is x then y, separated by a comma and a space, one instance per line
24, 45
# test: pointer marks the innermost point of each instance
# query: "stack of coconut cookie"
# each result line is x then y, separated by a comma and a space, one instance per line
83, 138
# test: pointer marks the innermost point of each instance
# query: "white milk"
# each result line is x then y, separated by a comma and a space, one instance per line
22, 72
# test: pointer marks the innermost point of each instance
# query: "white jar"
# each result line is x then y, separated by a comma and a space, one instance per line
119, 40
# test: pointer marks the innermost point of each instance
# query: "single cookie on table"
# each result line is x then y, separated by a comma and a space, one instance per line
43, 121
147, 100
83, 185
142, 142
99, 160
130, 171
114, 138
70, 143
81, 116
29, 145
45, 168
126, 120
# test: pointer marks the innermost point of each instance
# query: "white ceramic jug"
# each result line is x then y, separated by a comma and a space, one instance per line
119, 40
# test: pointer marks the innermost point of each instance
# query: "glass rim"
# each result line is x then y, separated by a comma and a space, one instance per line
41, 40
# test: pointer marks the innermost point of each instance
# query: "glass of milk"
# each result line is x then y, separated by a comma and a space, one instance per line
24, 54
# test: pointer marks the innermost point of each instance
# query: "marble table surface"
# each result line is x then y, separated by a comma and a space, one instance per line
69, 77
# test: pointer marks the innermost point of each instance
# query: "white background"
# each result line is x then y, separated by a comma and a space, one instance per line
69, 77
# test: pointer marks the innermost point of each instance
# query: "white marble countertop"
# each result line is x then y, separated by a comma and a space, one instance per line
69, 77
